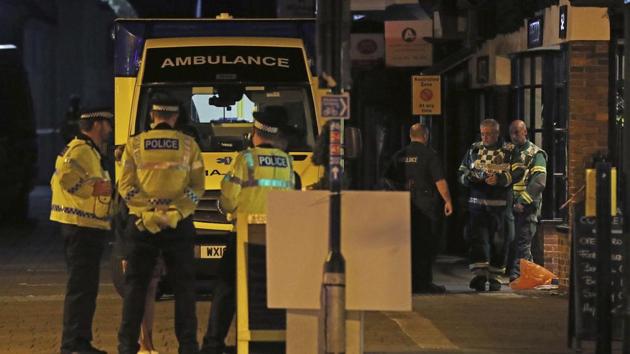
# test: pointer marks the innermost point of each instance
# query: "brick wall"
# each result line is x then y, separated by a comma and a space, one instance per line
557, 252
587, 134
588, 106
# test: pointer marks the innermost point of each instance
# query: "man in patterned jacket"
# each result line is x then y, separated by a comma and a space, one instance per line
488, 171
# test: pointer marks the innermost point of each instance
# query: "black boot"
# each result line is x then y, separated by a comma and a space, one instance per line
495, 284
478, 283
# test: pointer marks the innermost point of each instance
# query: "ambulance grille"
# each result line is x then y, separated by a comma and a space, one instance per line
207, 210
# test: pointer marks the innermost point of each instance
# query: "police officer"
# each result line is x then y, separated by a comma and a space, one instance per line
527, 195
161, 182
488, 170
81, 197
244, 189
417, 168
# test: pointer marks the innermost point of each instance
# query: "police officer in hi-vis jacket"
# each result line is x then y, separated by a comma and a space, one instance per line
244, 189
488, 170
527, 195
161, 182
81, 200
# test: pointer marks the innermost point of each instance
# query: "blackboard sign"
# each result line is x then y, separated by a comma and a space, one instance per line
584, 281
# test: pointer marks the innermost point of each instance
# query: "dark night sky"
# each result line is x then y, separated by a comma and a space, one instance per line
186, 8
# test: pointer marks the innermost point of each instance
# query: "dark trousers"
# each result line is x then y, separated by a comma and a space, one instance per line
223, 301
177, 249
525, 229
489, 244
83, 248
424, 230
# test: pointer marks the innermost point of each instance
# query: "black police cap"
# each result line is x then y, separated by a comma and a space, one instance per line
96, 114
273, 119
163, 102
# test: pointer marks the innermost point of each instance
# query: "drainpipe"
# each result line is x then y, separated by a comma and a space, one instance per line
626, 176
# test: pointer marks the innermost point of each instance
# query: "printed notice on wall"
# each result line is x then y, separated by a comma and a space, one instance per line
426, 95
404, 43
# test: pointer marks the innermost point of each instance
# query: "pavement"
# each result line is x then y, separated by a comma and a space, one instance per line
32, 283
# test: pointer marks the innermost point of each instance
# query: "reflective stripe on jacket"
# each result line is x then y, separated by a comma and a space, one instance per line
162, 168
255, 172
531, 186
77, 167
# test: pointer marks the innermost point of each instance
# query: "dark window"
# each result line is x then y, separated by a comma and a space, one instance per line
539, 91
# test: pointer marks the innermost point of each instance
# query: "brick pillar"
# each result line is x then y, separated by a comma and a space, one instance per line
557, 252
587, 134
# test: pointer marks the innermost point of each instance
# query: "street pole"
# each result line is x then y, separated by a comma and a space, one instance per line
604, 320
333, 26
626, 176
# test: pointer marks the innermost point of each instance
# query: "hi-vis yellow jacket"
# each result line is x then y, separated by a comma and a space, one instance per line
530, 188
162, 170
255, 172
77, 167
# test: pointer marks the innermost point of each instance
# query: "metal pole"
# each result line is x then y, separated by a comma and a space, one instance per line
333, 38
604, 320
334, 282
626, 178
199, 9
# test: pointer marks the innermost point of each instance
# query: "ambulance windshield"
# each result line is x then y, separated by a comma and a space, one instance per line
221, 116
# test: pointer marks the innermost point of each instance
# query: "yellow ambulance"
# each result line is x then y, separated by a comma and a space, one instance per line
222, 70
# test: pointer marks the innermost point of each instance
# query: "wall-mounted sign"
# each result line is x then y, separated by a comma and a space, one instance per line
367, 49
563, 21
535, 32
483, 69
426, 95
335, 106
404, 43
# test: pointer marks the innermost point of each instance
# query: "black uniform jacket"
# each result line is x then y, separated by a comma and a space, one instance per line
416, 168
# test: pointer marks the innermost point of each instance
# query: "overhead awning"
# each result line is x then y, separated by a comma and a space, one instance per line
450, 62
596, 3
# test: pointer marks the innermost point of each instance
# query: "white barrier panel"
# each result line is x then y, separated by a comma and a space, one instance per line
375, 242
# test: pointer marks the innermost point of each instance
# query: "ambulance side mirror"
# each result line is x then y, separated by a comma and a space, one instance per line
353, 143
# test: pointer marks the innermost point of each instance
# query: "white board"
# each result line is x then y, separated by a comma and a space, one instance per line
375, 242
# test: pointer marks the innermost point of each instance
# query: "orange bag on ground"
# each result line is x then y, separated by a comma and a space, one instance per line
532, 275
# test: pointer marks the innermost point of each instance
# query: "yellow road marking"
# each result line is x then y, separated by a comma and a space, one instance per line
421, 330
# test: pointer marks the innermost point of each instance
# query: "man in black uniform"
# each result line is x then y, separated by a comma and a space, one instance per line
488, 171
417, 168
161, 182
